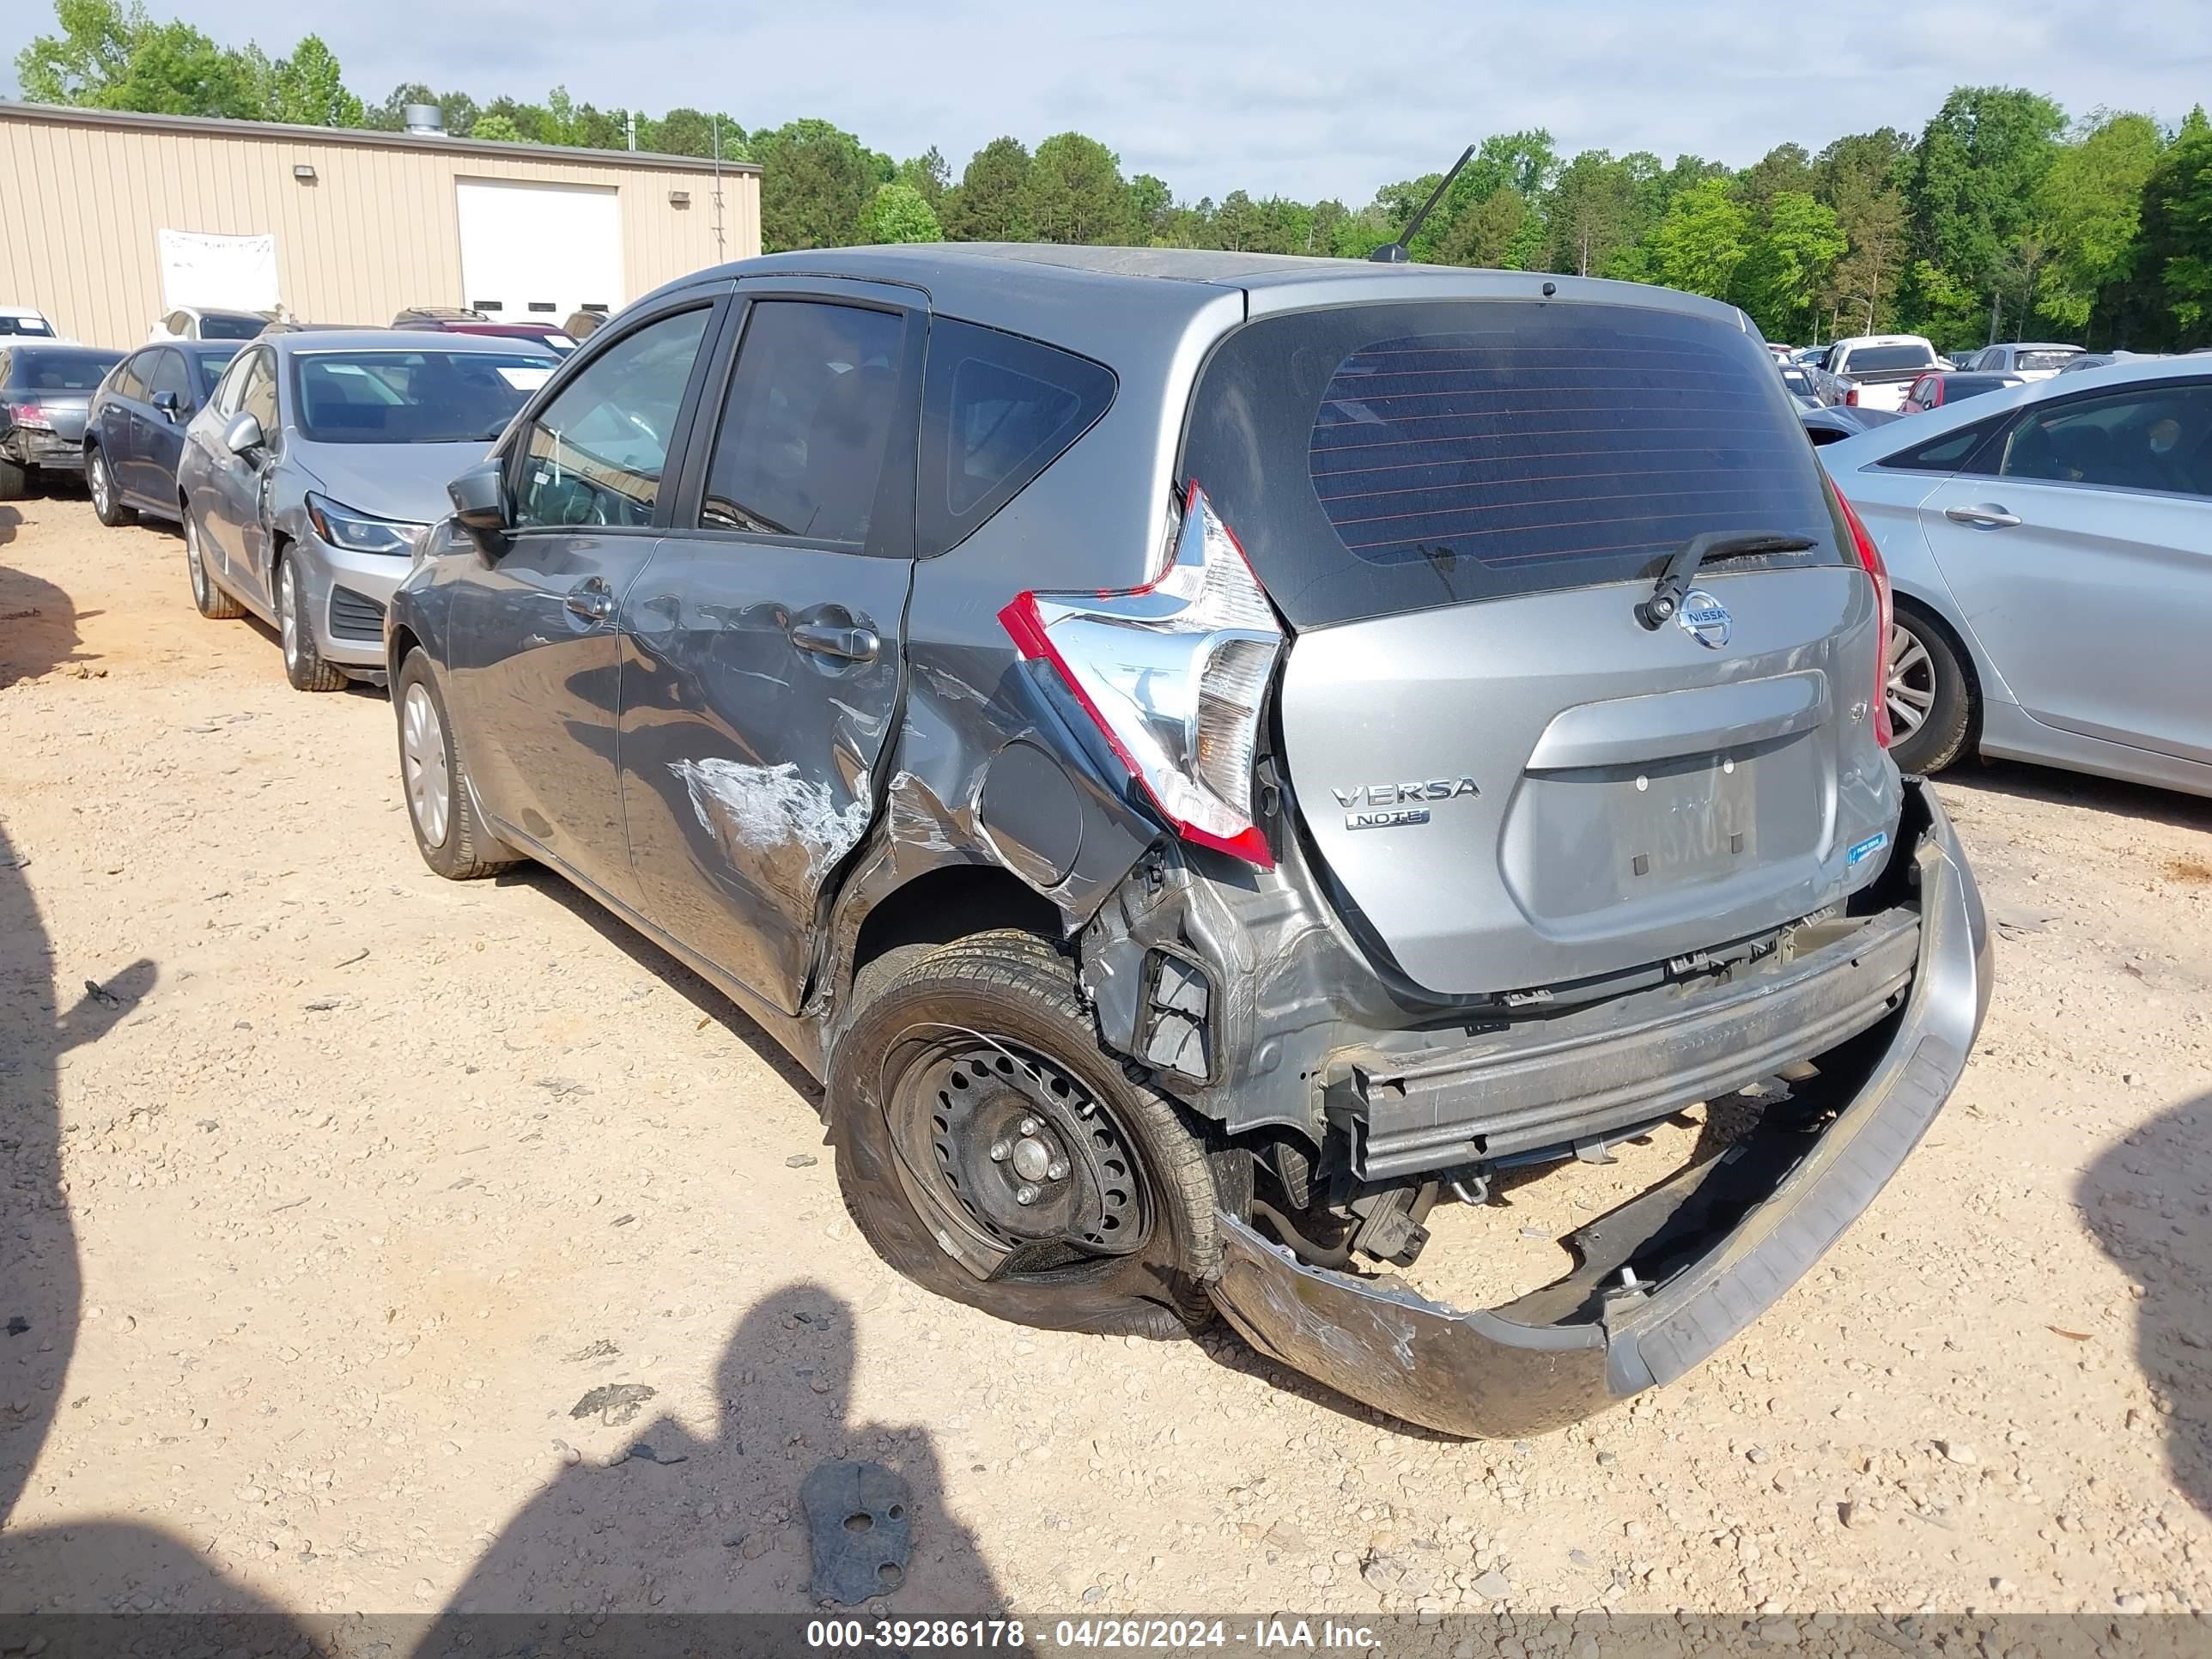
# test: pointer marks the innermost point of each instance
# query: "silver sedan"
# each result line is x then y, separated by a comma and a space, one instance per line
2050, 549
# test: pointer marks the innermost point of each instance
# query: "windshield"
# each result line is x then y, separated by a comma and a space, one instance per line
433, 397
1874, 360
35, 327
2050, 357
60, 371
208, 367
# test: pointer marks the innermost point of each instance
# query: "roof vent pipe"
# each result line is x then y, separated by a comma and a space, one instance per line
425, 117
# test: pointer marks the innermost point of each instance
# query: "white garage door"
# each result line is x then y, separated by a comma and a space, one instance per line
536, 252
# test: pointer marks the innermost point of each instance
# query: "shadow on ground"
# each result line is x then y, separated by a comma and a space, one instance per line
675, 1519
2079, 790
38, 622
97, 1565
2149, 1199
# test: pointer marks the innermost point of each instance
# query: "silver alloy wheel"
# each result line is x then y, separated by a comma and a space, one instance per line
422, 761
195, 565
1909, 687
288, 612
102, 489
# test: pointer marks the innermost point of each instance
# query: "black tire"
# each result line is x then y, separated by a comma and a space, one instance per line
15, 480
1925, 667
1019, 991
457, 847
99, 482
304, 667
209, 597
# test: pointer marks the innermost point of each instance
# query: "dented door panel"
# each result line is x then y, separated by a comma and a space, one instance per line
750, 763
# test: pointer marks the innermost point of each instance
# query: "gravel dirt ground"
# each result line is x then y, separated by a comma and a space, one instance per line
336, 1190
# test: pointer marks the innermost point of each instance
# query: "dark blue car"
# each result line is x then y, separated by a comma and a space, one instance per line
135, 430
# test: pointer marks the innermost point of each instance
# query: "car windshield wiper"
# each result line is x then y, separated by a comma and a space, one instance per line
1675, 581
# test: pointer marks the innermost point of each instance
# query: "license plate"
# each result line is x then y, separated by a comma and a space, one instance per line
1692, 822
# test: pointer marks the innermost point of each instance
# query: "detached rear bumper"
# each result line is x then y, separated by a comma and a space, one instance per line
1493, 1373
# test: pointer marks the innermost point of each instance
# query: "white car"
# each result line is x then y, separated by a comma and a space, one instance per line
2050, 553
1872, 371
209, 323
21, 322
2031, 361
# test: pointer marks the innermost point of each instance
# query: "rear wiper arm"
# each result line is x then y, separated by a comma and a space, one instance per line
1675, 581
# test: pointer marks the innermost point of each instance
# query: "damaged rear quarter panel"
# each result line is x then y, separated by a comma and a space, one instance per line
968, 695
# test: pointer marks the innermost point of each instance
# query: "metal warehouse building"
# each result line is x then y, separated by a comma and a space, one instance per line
109, 220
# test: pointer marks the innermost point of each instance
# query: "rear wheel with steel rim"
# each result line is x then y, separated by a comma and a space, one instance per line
303, 663
212, 600
439, 807
106, 506
991, 1153
1929, 698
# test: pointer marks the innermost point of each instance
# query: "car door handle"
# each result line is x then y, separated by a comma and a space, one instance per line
1989, 515
590, 599
852, 642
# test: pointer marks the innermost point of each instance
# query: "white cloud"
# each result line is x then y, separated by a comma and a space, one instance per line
1303, 97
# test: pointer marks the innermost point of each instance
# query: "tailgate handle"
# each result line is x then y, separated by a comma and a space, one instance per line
1668, 725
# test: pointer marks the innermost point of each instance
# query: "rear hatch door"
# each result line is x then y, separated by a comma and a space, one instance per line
1507, 779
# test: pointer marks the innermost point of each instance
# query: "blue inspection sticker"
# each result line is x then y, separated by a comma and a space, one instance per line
1867, 848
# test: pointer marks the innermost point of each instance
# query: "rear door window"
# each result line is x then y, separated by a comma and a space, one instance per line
2157, 436
997, 410
808, 420
1384, 458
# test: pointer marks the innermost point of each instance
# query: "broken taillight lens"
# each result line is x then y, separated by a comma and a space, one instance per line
1175, 676
1870, 557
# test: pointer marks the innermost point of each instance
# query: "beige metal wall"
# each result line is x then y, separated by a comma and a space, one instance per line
84, 193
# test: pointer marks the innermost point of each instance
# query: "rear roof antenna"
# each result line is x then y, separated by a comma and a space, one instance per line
1394, 254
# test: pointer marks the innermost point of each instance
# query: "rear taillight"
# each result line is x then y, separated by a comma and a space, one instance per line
1870, 556
1851, 396
29, 415
1175, 676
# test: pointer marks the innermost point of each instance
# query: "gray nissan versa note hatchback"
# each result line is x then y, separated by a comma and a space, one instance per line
1209, 755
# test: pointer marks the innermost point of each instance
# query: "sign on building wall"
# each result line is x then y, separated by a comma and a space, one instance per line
237, 273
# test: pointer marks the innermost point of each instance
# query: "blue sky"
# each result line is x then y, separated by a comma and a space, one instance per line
1307, 98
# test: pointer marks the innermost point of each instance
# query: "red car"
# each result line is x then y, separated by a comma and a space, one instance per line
1941, 387
458, 319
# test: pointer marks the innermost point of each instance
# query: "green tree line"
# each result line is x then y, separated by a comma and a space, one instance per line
2000, 215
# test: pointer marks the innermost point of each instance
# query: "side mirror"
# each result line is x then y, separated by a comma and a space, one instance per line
169, 403
479, 499
243, 435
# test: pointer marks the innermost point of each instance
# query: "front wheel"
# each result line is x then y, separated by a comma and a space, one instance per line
107, 505
440, 808
1930, 702
304, 667
210, 599
989, 1150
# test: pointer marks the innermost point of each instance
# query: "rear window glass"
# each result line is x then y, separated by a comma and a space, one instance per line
997, 410
216, 328
1386, 459
1878, 360
2037, 359
30, 327
62, 370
